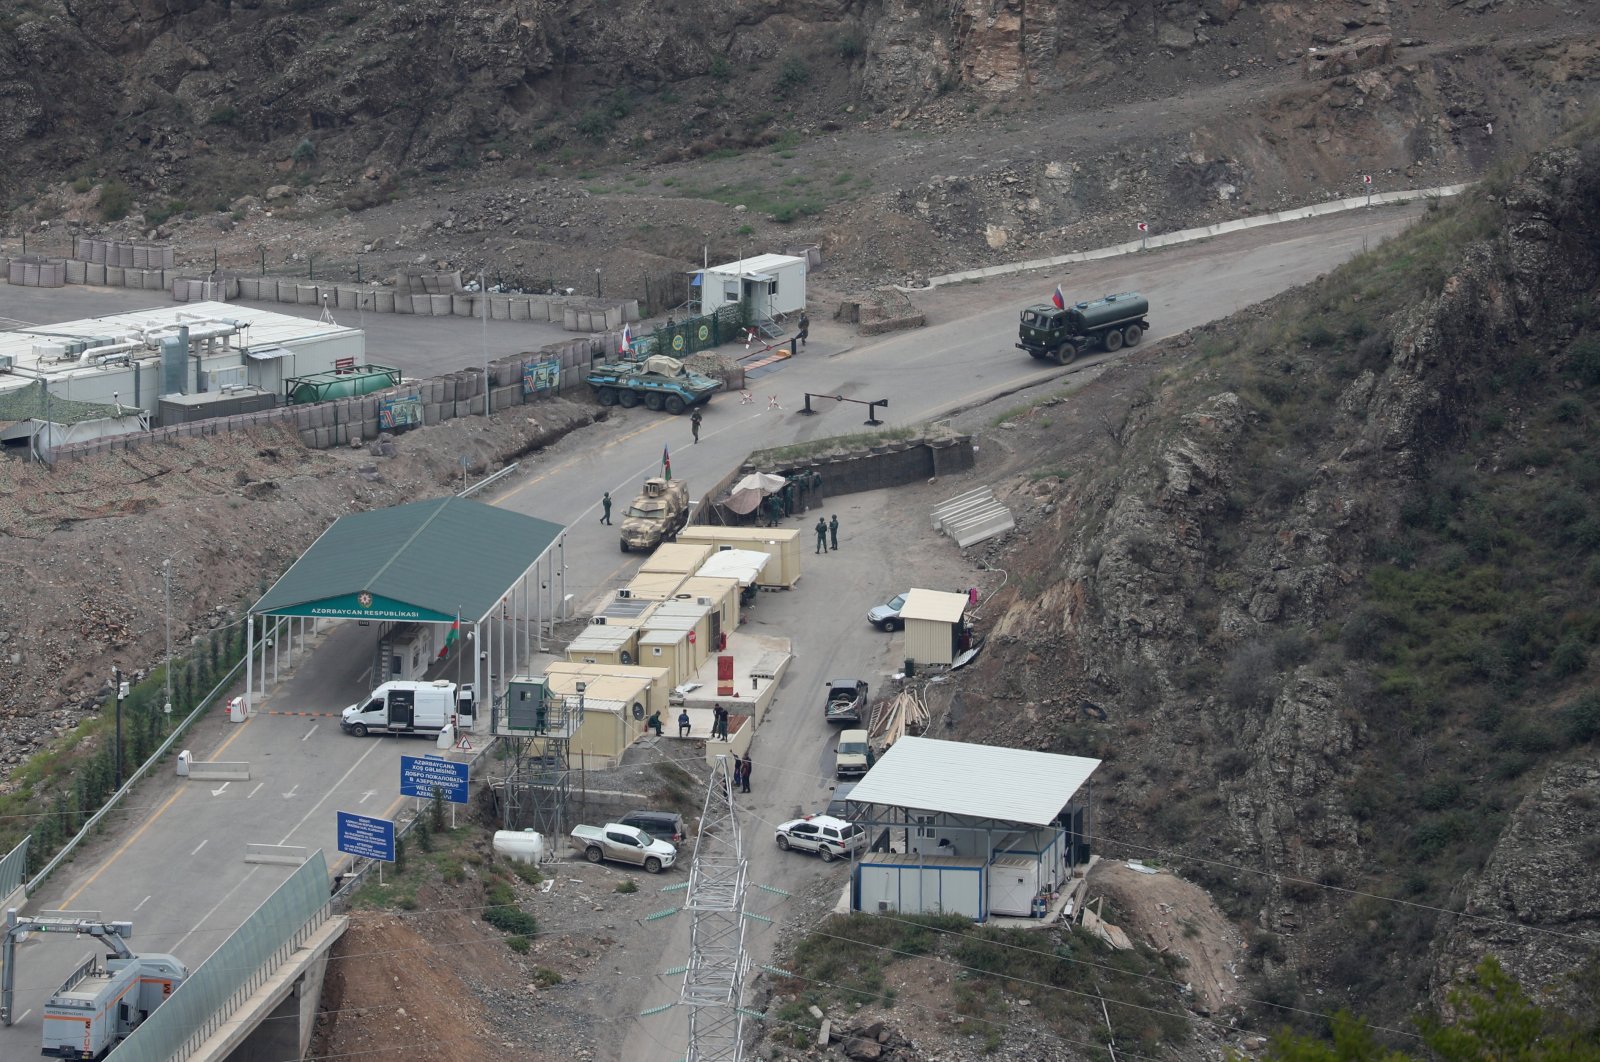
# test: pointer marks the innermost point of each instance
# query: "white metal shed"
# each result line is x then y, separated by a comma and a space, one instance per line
775, 284
932, 621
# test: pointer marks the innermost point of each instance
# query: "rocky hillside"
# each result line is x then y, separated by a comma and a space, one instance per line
1321, 590
522, 138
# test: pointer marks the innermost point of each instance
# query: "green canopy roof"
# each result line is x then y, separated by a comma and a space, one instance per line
428, 561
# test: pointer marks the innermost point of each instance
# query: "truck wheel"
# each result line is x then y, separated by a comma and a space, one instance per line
783, 842
593, 853
627, 399
652, 402
358, 729
606, 396
675, 405
1065, 353
1113, 341
826, 853
624, 546
652, 865
1132, 334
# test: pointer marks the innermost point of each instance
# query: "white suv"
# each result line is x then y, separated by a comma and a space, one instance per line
825, 835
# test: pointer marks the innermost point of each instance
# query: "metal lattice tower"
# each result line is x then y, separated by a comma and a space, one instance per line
539, 732
714, 983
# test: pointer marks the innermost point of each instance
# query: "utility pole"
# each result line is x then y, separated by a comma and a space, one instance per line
166, 587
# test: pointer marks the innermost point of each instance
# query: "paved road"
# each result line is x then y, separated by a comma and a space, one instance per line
175, 867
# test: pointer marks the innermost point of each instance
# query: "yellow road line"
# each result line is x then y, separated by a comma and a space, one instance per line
66, 904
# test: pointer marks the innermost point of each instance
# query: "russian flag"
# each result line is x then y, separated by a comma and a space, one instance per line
1059, 299
626, 345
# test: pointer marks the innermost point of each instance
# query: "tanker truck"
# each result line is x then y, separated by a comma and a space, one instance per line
1062, 333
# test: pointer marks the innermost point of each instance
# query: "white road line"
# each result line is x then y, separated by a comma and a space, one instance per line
141, 903
24, 1014
254, 791
367, 796
199, 846
227, 896
218, 792
313, 730
293, 789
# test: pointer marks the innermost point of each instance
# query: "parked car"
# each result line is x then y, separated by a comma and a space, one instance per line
851, 757
887, 615
825, 835
836, 803
624, 844
662, 825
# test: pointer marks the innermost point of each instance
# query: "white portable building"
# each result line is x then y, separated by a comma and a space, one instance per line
775, 284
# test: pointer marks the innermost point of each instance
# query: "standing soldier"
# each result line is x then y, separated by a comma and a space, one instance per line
833, 530
694, 425
822, 535
805, 330
605, 504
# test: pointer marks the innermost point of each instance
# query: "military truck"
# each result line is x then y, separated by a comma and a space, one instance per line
1062, 333
658, 381
657, 515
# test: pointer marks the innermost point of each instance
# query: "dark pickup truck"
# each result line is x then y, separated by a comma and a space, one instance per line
847, 700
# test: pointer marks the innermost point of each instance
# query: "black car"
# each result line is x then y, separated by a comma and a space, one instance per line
662, 825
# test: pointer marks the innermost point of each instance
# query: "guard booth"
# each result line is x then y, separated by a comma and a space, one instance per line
772, 284
934, 622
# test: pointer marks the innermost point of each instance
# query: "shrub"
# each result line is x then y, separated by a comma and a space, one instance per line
305, 151
627, 886
1583, 360
593, 123
82, 184
511, 920
519, 944
795, 73
850, 44
1569, 658
1580, 720
115, 201
721, 68
1247, 680
226, 115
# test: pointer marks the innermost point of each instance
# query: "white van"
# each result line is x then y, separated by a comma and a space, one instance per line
402, 708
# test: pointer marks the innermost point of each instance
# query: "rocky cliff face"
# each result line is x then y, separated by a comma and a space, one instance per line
1245, 593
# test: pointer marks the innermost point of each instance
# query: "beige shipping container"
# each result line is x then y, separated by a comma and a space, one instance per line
694, 619
622, 609
668, 649
610, 703
932, 620
656, 586
681, 557
658, 688
782, 544
604, 644
722, 595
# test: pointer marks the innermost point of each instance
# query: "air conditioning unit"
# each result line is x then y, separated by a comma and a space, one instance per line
702, 601
598, 621
7, 363
624, 593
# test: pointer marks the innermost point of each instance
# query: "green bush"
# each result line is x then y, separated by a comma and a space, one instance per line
511, 920
1583, 360
82, 184
519, 944
795, 72
721, 68
593, 123
1580, 720
116, 199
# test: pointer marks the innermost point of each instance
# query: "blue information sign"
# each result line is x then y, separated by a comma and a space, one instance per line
361, 835
421, 775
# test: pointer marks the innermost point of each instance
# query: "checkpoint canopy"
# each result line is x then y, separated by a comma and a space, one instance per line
440, 561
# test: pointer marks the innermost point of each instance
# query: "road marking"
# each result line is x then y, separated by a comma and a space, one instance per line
367, 795
23, 1015
254, 791
196, 850
66, 904
251, 873
141, 903
218, 792
547, 473
308, 733
293, 789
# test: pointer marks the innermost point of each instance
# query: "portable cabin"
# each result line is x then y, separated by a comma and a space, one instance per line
658, 687
656, 586
782, 544
667, 648
604, 644
614, 711
773, 285
622, 609
682, 557
699, 622
744, 566
933, 623
721, 595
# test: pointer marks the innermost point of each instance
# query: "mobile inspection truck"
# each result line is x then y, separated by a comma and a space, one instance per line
402, 708
1061, 333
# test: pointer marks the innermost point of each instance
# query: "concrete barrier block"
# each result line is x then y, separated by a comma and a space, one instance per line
440, 305
464, 408
430, 412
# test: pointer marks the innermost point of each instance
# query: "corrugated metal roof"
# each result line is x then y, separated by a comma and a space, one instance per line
983, 781
936, 605
447, 556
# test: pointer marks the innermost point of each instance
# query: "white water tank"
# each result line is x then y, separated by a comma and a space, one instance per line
525, 846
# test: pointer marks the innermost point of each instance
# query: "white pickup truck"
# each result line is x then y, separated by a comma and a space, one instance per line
624, 844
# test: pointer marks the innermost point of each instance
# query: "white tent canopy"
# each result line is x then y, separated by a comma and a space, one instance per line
746, 494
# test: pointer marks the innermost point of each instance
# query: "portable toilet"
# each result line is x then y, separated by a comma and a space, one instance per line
668, 649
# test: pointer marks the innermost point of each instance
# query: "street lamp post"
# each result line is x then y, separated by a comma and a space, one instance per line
166, 588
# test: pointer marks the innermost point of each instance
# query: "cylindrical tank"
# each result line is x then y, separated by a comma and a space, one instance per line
525, 846
1113, 309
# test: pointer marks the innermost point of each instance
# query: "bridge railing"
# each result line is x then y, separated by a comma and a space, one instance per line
218, 987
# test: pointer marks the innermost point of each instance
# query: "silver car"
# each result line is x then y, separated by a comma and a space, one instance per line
887, 615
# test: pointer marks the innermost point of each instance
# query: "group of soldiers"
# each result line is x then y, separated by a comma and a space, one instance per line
827, 529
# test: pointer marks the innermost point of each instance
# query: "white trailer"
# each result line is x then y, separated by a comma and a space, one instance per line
775, 284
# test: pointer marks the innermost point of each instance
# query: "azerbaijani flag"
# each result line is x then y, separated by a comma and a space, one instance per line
451, 638
626, 345
1059, 299
666, 464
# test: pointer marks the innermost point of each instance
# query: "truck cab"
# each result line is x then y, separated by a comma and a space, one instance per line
402, 708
